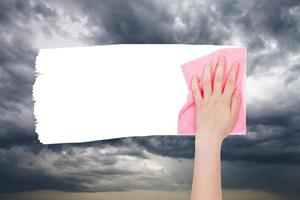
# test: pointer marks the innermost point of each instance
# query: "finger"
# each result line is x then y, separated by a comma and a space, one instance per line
207, 89
195, 89
230, 83
218, 80
235, 104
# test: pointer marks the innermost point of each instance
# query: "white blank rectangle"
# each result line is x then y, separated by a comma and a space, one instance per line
102, 92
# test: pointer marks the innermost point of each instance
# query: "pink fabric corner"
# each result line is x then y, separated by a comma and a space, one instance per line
186, 117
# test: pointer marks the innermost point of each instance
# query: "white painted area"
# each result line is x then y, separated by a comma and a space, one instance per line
103, 92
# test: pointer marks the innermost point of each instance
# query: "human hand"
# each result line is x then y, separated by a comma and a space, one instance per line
216, 111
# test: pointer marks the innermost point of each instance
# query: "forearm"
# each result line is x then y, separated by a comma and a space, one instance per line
207, 170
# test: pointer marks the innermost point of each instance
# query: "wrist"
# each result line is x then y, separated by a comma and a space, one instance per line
206, 141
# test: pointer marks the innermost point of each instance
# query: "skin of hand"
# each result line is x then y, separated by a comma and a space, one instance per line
216, 113
216, 110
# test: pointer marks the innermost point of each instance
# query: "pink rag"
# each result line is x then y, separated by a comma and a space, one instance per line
186, 118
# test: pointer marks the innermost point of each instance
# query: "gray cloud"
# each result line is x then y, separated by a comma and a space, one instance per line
17, 57
105, 167
88, 169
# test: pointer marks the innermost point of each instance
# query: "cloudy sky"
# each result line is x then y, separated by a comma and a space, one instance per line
265, 164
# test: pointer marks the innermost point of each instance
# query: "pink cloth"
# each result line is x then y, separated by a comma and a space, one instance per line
186, 118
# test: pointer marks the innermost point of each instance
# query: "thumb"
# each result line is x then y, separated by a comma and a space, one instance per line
235, 104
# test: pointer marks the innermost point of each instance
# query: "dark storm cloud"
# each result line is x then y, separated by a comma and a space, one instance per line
256, 23
293, 77
20, 179
129, 21
278, 179
170, 146
259, 25
15, 177
83, 169
270, 30
17, 59
151, 22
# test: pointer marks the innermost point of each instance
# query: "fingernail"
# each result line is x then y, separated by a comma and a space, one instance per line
194, 79
207, 67
235, 65
221, 61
